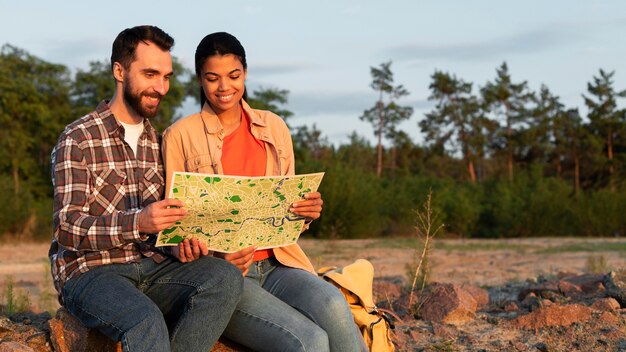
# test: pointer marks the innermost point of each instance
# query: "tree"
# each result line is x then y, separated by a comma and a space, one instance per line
270, 99
507, 99
603, 115
34, 107
384, 117
548, 120
456, 120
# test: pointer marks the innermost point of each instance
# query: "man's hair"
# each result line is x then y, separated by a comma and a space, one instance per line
126, 43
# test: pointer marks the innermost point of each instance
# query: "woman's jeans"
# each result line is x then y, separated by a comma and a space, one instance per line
148, 306
287, 309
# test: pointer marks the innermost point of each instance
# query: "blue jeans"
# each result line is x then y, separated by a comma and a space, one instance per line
170, 306
287, 309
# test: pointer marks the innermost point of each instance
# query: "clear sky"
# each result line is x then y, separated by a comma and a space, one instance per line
321, 51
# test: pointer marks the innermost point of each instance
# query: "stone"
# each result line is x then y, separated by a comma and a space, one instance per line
606, 304
67, 334
609, 318
511, 307
531, 302
12, 346
615, 283
569, 289
448, 303
480, 295
554, 315
588, 283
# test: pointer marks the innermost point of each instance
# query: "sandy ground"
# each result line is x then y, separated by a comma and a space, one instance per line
479, 262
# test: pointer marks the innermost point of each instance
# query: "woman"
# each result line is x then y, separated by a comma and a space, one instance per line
285, 306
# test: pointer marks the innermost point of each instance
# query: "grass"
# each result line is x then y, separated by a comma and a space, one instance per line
585, 247
14, 300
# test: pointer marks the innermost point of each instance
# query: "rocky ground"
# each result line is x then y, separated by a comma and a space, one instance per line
483, 295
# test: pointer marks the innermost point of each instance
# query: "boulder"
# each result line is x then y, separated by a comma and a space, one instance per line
569, 289
615, 283
480, 295
67, 334
448, 303
12, 346
606, 304
554, 315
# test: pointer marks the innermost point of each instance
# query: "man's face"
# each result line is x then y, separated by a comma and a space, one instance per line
147, 79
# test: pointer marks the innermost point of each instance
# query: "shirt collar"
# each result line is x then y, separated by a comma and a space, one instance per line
110, 122
213, 124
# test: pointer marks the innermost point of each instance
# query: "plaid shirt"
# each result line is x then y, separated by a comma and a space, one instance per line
99, 189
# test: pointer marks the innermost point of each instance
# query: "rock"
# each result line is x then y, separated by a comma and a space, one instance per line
569, 289
588, 283
606, 304
448, 303
532, 302
615, 283
609, 318
511, 307
554, 315
67, 334
541, 289
480, 295
12, 346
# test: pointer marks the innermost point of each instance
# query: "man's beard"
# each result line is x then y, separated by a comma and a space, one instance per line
134, 101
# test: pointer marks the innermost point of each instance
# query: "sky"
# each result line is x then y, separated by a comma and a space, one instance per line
322, 51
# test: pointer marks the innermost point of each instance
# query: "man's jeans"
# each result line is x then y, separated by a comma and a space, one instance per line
287, 309
170, 306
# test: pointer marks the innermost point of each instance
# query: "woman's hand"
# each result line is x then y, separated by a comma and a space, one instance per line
241, 259
310, 207
190, 250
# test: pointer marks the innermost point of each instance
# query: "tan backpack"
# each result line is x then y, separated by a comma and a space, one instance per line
355, 282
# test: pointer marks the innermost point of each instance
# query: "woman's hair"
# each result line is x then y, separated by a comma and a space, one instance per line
219, 43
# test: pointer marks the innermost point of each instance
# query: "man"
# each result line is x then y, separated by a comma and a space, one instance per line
108, 182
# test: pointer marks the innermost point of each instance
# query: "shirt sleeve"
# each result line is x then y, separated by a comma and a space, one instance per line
173, 157
74, 227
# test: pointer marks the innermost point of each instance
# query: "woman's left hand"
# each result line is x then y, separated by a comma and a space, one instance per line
310, 207
190, 250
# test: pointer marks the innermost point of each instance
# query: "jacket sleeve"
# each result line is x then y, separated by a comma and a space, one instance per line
74, 227
173, 156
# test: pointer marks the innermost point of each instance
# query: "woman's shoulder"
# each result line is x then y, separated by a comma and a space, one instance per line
184, 124
268, 118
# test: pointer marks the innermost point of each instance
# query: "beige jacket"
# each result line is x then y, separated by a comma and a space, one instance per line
194, 144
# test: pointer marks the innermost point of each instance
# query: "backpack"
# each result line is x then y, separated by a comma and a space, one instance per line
355, 283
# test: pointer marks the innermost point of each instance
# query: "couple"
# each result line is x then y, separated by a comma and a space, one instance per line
108, 178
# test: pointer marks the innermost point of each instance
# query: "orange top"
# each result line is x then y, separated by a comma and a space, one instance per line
244, 155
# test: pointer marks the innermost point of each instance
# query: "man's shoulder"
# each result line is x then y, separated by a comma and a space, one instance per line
83, 128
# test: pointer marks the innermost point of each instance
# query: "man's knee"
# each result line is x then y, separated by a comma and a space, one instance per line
315, 339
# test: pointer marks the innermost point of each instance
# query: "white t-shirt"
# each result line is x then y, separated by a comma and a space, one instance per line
131, 134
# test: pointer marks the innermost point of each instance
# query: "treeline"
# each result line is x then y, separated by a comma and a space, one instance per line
501, 162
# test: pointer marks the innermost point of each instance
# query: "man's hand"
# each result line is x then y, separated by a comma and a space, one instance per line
160, 215
310, 208
190, 250
241, 259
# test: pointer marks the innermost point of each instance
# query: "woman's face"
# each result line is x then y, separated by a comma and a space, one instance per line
223, 78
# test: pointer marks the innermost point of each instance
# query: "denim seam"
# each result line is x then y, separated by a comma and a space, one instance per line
189, 306
120, 331
193, 284
274, 324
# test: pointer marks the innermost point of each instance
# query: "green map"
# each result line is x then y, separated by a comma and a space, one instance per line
230, 213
